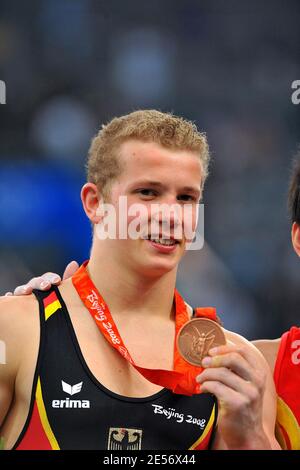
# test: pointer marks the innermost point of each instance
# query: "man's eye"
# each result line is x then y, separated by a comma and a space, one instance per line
186, 197
147, 192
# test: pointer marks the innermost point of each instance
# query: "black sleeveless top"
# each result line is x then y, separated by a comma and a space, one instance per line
70, 409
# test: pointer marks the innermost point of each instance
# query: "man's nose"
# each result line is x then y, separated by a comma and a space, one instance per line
169, 215
172, 218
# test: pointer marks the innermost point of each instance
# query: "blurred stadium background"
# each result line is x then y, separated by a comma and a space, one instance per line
70, 65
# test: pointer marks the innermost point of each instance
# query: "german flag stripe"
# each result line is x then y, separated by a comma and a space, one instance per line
44, 418
39, 434
50, 299
35, 436
202, 442
51, 305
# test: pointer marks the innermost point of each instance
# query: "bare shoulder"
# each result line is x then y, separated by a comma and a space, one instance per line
269, 349
19, 321
19, 309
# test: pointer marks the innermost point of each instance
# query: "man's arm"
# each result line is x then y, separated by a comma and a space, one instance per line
241, 380
10, 357
19, 333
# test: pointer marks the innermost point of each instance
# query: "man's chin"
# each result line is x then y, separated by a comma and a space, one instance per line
156, 270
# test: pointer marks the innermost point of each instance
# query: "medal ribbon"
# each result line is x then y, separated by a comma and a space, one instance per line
181, 380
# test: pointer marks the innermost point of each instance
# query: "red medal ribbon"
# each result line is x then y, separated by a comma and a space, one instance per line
180, 380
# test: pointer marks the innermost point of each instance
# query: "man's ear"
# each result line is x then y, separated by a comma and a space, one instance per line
296, 237
92, 200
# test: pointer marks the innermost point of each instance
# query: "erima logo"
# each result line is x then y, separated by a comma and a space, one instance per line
71, 390
68, 403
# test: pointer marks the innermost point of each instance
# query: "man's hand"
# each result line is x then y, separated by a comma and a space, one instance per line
45, 281
237, 377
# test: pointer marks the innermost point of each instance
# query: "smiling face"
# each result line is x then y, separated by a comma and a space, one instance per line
151, 175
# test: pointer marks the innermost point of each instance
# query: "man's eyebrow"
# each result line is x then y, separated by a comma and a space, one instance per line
150, 182
190, 189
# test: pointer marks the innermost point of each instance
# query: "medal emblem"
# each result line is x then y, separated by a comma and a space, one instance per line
197, 337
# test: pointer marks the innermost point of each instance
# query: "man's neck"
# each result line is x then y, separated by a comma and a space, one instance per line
130, 293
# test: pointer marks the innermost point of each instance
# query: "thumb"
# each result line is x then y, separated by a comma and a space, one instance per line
70, 270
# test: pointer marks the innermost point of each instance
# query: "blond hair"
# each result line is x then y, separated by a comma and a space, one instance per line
165, 129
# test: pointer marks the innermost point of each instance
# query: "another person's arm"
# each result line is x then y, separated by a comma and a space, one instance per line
269, 349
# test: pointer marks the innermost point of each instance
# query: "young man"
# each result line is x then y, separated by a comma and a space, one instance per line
283, 354
70, 381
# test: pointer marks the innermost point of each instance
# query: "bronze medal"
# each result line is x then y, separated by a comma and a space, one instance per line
196, 337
